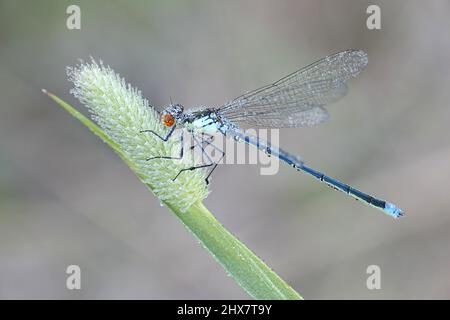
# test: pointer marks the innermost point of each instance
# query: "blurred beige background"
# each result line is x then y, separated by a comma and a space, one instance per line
65, 198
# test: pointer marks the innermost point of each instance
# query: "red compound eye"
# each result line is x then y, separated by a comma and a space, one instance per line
168, 120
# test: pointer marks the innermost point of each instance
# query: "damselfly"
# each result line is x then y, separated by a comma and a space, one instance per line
296, 100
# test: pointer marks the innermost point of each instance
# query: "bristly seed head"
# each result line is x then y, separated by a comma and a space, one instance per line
123, 113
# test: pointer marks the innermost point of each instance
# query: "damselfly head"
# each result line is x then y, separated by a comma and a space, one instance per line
171, 114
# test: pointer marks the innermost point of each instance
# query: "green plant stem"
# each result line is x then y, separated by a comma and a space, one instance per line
250, 272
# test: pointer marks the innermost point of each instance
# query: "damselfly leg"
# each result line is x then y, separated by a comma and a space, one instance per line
163, 138
206, 140
180, 140
211, 163
201, 144
216, 148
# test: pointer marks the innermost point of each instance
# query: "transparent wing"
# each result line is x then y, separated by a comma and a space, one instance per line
282, 103
311, 117
289, 113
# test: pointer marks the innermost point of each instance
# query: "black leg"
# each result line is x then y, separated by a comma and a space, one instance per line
165, 138
192, 168
211, 163
181, 140
202, 145
209, 139
215, 163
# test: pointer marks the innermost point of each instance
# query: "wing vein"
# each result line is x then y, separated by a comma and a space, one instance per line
297, 99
